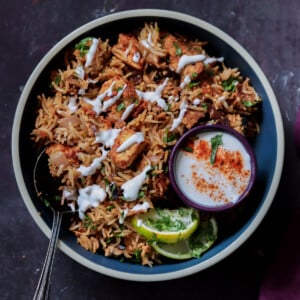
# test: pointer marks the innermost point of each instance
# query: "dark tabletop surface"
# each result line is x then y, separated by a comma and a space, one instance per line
268, 29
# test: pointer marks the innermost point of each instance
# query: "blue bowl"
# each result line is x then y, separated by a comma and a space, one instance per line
269, 162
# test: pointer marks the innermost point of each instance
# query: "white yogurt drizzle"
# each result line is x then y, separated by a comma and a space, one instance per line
80, 72
147, 43
127, 111
222, 99
72, 105
138, 138
131, 187
107, 137
97, 104
210, 60
136, 57
94, 166
81, 91
90, 196
177, 121
196, 101
113, 100
189, 59
155, 96
141, 207
91, 53
124, 214
186, 81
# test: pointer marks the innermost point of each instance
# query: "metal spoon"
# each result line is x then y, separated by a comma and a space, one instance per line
47, 189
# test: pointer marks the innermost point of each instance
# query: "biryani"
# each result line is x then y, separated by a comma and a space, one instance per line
111, 116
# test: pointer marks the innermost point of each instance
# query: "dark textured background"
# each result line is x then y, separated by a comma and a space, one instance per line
268, 29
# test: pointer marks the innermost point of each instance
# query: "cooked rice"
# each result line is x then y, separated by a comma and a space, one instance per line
66, 119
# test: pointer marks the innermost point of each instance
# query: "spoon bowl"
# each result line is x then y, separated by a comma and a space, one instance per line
47, 190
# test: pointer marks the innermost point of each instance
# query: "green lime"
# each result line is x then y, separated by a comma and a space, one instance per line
166, 225
194, 246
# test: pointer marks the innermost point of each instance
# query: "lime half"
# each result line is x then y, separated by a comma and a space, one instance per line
192, 247
166, 225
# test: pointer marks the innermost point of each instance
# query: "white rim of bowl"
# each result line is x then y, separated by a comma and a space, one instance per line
196, 22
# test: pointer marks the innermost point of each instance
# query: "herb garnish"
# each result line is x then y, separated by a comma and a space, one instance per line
165, 223
229, 84
193, 84
188, 149
121, 106
248, 103
88, 223
215, 141
169, 137
82, 46
178, 49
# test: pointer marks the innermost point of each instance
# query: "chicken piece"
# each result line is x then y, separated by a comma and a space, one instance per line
149, 42
124, 107
191, 117
175, 49
193, 70
127, 50
60, 157
124, 159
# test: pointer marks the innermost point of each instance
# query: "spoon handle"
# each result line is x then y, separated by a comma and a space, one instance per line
42, 289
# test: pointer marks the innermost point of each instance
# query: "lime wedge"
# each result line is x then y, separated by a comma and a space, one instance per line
194, 246
166, 225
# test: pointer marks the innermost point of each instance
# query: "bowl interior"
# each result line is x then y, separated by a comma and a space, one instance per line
268, 162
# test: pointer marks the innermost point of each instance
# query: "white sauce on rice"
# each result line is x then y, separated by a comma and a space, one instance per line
210, 60
155, 96
141, 207
90, 196
185, 82
131, 187
136, 57
72, 105
189, 59
127, 111
94, 166
97, 104
196, 101
113, 100
107, 137
91, 53
178, 120
138, 138
80, 72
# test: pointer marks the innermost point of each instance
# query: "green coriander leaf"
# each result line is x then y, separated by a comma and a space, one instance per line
109, 208
121, 106
248, 103
188, 149
215, 141
193, 84
178, 49
83, 47
194, 75
169, 137
204, 106
229, 84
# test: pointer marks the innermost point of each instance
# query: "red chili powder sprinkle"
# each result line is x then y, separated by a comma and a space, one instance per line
229, 163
